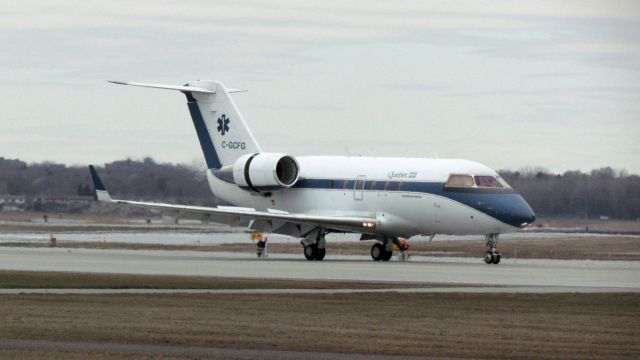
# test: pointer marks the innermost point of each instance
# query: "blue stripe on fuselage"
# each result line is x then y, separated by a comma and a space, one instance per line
210, 155
510, 207
503, 204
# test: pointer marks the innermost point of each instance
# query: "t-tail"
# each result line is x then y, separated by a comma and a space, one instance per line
224, 135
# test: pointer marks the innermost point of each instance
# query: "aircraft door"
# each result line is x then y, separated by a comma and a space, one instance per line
358, 187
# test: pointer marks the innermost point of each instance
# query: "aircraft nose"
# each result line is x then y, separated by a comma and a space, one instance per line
524, 215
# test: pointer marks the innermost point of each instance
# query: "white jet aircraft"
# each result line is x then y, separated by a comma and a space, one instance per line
307, 197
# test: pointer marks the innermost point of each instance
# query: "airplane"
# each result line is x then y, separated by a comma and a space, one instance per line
307, 197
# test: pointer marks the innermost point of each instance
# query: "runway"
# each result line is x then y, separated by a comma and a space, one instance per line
509, 276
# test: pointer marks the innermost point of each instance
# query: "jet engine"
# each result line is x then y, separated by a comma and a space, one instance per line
265, 171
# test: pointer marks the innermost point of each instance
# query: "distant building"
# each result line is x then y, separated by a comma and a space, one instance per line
12, 202
72, 204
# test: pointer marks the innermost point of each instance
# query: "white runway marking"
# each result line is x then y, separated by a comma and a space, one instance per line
594, 275
456, 289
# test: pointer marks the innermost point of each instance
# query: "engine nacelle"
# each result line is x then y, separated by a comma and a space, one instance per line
265, 171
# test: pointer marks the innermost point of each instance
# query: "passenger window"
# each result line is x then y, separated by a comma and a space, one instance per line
387, 184
400, 186
373, 185
359, 184
330, 186
487, 181
460, 181
347, 185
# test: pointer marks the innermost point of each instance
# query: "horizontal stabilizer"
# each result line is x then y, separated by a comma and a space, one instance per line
166, 87
232, 90
188, 88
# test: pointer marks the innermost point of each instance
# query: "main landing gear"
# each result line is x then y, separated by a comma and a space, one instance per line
382, 251
313, 252
314, 245
492, 256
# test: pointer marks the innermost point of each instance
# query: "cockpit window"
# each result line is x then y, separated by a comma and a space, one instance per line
487, 181
463, 182
503, 182
460, 181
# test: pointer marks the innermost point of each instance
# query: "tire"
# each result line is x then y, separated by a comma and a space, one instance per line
496, 259
488, 258
376, 251
310, 252
386, 255
319, 255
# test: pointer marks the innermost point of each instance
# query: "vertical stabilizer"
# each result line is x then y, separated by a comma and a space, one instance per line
215, 114
223, 134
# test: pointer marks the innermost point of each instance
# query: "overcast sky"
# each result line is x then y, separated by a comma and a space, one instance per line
510, 84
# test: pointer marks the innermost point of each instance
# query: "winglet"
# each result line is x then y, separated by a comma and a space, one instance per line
101, 192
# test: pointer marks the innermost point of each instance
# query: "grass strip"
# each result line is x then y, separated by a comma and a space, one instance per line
71, 280
515, 326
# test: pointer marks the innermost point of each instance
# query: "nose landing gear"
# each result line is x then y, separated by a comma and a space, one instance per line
492, 256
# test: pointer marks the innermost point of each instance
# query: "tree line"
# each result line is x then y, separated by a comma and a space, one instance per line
600, 192
134, 179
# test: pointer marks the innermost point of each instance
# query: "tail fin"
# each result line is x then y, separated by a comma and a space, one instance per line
224, 135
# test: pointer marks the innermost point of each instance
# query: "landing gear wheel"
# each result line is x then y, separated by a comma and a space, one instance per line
310, 252
376, 251
492, 257
386, 255
488, 258
319, 255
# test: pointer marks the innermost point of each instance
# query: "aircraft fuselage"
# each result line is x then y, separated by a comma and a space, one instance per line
407, 196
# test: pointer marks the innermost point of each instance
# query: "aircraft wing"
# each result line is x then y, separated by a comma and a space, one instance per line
266, 221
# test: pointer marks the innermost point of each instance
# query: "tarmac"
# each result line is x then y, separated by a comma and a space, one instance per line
510, 275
